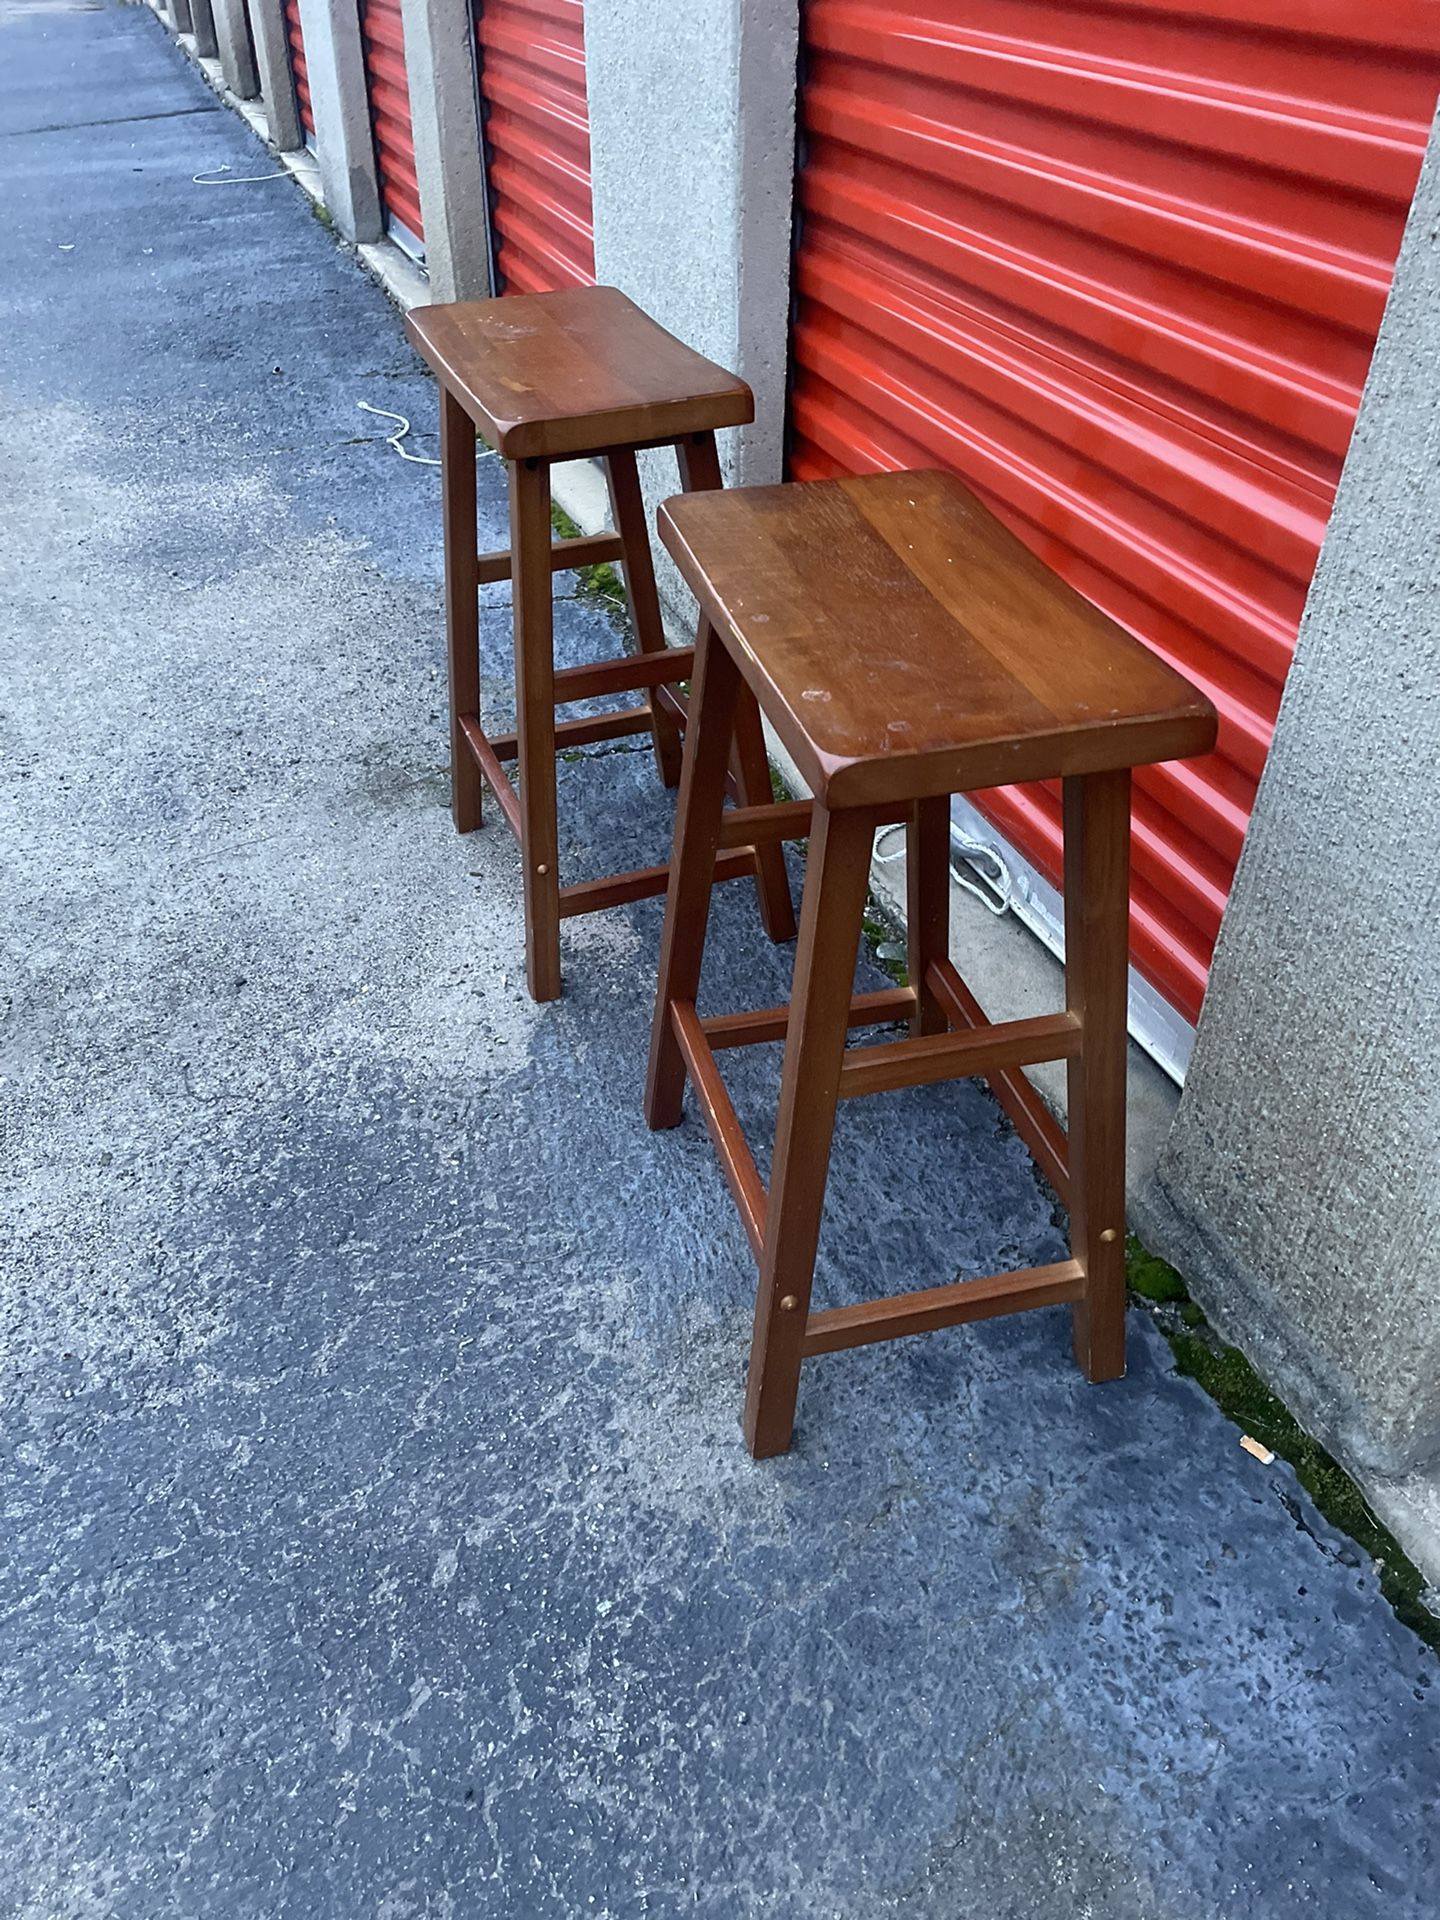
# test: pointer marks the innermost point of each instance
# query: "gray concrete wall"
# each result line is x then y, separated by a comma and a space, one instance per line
272, 60
202, 25
444, 109
232, 45
344, 145
1300, 1187
692, 145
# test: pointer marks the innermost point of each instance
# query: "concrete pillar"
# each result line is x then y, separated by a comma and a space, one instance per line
692, 158
232, 45
445, 117
1299, 1190
179, 11
202, 22
272, 60
692, 151
344, 144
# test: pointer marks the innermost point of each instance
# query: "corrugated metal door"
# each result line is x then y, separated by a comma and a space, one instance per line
382, 34
298, 71
1121, 266
537, 143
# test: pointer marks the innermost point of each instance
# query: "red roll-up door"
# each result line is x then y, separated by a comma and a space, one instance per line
382, 35
298, 71
1121, 266
537, 143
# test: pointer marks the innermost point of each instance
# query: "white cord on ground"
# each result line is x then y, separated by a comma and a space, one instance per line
394, 439
234, 179
994, 894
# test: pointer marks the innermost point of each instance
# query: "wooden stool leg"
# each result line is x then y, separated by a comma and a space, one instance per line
692, 868
462, 604
699, 463
927, 909
627, 504
1097, 924
752, 786
535, 721
833, 908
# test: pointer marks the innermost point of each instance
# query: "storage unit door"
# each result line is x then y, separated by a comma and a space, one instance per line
537, 143
298, 72
383, 37
1121, 266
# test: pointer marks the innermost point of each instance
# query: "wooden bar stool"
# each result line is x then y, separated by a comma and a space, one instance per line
562, 376
906, 647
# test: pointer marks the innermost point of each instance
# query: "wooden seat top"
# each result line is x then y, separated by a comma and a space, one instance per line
903, 642
550, 375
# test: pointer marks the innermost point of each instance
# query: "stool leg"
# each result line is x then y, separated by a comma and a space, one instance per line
1097, 926
715, 685
927, 905
699, 464
627, 504
752, 785
462, 604
535, 721
831, 912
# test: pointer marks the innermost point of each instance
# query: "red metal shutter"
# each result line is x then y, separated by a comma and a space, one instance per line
297, 68
1121, 266
537, 142
383, 37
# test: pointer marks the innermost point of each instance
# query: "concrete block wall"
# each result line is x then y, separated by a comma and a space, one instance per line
1299, 1189
237, 56
272, 61
692, 147
445, 117
202, 26
344, 144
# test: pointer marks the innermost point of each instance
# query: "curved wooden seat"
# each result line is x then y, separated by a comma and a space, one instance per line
903, 642
552, 375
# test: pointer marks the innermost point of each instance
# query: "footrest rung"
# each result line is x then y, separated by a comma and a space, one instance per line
1033, 1120
758, 826
771, 1023
672, 701
958, 1056
722, 1122
584, 731
492, 771
583, 550
624, 675
640, 883
935, 1307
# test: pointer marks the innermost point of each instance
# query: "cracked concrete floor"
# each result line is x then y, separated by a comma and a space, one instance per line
378, 1537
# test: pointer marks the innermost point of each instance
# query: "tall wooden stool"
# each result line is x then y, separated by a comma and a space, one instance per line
563, 376
906, 647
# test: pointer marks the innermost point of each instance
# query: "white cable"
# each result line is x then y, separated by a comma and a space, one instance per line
235, 180
394, 439
994, 894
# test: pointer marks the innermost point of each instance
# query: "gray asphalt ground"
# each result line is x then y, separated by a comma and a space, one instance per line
377, 1537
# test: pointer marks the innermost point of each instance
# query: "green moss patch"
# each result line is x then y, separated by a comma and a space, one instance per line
885, 942
600, 583
1237, 1389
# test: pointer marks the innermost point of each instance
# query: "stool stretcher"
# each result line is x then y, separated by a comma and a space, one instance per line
935, 1307
1021, 1100
583, 550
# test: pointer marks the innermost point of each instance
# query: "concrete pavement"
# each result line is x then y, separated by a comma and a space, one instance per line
378, 1536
